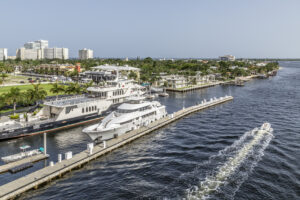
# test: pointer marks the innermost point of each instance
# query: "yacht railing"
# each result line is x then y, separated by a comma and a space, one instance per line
73, 101
66, 98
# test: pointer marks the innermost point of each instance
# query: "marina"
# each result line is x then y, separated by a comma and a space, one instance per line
44, 175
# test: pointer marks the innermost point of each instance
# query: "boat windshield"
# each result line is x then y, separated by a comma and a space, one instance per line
126, 111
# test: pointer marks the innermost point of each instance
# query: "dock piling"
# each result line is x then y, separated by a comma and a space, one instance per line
59, 158
45, 143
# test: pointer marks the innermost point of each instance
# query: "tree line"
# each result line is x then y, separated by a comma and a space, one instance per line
33, 96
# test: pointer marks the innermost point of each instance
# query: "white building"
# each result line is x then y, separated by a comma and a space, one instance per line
227, 58
29, 54
39, 50
85, 54
39, 44
56, 53
3, 54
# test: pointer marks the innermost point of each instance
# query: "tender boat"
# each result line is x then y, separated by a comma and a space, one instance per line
23, 154
129, 116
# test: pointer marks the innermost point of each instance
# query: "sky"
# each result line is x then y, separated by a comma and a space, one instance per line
156, 28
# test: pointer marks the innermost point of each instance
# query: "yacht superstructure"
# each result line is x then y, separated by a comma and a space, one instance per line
71, 111
128, 116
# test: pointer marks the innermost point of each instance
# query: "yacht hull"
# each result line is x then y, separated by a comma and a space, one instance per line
49, 127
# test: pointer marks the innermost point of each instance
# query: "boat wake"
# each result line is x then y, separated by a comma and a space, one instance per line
232, 166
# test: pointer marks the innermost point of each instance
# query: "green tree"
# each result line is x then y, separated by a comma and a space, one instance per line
13, 97
36, 93
73, 88
57, 88
132, 75
3, 76
87, 85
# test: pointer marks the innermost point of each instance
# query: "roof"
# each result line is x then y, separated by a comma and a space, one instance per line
116, 68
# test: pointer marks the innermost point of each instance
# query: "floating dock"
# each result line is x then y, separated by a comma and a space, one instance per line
31, 159
34, 180
193, 87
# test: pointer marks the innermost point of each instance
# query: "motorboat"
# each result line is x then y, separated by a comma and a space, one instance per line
133, 114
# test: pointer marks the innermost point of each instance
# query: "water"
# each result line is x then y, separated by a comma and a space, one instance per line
171, 163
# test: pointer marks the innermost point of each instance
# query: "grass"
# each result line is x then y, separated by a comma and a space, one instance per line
24, 88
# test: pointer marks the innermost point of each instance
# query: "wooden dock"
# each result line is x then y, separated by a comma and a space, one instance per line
197, 87
45, 175
31, 159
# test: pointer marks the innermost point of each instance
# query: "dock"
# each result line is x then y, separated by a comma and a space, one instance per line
196, 87
31, 159
45, 175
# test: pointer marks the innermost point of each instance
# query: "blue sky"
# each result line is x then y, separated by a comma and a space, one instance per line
156, 28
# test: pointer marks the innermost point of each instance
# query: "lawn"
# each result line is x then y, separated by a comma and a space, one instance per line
23, 88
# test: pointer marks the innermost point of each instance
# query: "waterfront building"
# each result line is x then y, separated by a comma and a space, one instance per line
261, 64
3, 54
57, 69
85, 54
39, 50
29, 54
56, 53
227, 58
39, 44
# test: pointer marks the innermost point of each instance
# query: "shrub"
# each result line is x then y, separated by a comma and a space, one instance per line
14, 116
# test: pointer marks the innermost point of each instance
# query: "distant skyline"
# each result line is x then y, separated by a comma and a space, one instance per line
168, 28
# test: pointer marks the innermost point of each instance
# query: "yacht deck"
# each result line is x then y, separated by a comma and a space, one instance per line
64, 102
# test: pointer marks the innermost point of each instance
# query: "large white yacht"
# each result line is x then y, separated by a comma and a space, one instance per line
72, 111
129, 116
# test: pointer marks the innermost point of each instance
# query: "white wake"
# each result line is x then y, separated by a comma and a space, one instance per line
234, 163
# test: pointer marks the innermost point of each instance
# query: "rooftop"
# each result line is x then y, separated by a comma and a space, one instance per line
115, 68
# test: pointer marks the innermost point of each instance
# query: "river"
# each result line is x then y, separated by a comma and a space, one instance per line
171, 163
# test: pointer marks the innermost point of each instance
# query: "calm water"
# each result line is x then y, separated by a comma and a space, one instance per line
172, 162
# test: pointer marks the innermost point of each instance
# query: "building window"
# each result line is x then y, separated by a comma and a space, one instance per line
86, 109
89, 109
82, 110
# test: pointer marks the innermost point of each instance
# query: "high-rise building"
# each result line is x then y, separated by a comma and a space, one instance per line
29, 54
85, 54
39, 44
39, 50
56, 53
3, 54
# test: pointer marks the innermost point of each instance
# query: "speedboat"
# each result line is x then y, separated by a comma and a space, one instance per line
133, 114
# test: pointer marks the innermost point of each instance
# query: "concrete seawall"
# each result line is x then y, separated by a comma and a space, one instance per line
45, 175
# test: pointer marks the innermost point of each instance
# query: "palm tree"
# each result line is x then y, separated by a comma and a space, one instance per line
13, 96
3, 76
87, 85
37, 93
73, 88
57, 88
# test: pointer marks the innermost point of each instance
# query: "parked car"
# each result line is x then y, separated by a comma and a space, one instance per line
22, 82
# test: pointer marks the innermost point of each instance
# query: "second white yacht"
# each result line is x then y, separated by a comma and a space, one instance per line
128, 116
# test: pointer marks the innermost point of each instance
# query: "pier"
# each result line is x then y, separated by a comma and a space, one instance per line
57, 170
196, 87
